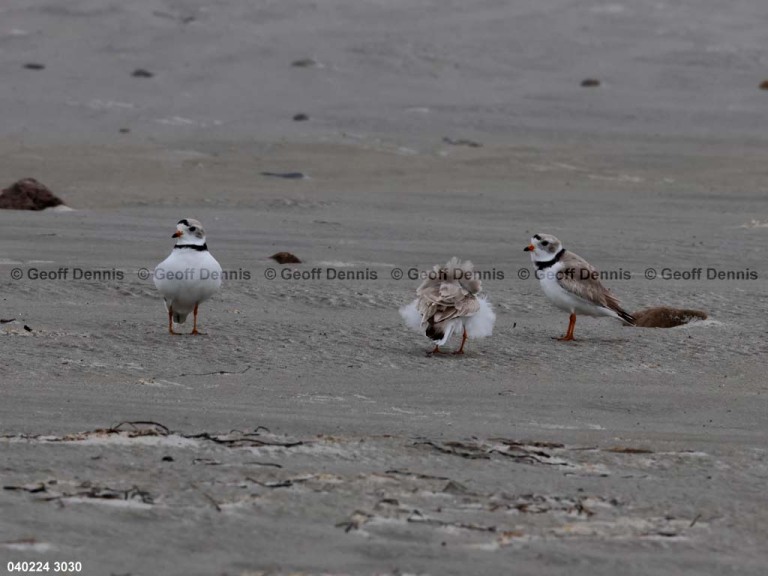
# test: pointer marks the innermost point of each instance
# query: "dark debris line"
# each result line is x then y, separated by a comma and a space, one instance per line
139, 428
518, 452
90, 491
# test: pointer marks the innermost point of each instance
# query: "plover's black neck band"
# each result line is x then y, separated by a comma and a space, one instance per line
198, 247
550, 263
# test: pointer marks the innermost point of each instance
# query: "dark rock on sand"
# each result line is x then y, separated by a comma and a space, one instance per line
34, 66
300, 118
304, 63
285, 258
664, 317
28, 194
764, 85
462, 142
590, 83
286, 175
141, 73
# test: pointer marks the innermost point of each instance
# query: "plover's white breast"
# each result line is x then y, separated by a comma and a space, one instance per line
562, 298
188, 277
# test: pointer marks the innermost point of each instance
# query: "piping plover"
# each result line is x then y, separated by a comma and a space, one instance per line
448, 300
189, 276
572, 283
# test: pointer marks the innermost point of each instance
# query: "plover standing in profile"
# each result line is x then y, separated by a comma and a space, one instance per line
448, 301
189, 276
572, 283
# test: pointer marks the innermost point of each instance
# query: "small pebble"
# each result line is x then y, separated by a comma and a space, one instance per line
590, 82
764, 85
141, 73
285, 258
34, 66
462, 142
304, 63
286, 175
300, 118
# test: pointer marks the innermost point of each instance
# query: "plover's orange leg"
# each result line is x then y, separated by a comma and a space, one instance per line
170, 321
571, 326
194, 324
463, 339
435, 351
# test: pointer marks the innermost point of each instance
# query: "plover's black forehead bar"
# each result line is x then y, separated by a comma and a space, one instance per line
537, 237
185, 222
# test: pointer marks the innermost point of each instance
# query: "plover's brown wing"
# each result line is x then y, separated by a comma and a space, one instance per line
428, 300
452, 292
582, 279
429, 295
442, 293
445, 302
466, 306
449, 293
463, 273
432, 282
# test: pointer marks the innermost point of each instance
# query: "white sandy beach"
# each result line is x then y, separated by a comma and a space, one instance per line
640, 451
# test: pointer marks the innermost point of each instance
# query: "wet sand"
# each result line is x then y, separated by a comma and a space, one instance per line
307, 431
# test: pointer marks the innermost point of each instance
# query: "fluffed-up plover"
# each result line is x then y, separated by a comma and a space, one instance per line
448, 300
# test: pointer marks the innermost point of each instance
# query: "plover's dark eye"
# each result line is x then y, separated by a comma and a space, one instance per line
192, 228
545, 242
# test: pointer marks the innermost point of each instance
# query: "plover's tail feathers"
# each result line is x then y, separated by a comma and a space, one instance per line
180, 318
441, 332
435, 332
480, 324
625, 316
